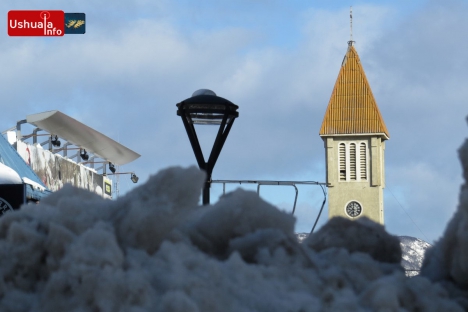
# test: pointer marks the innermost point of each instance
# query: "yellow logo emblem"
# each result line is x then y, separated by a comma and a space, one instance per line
75, 23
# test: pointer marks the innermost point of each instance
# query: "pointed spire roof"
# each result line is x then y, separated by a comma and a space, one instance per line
352, 108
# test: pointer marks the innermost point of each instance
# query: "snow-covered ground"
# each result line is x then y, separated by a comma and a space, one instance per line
156, 249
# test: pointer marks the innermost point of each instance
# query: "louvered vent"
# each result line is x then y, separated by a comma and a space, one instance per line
363, 163
352, 161
342, 162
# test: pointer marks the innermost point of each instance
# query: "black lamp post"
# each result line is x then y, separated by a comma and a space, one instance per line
205, 108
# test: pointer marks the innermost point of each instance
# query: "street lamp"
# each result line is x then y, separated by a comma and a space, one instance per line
206, 108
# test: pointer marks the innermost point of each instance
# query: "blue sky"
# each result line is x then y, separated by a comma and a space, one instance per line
278, 60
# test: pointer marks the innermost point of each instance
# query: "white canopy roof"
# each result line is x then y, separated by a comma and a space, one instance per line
79, 134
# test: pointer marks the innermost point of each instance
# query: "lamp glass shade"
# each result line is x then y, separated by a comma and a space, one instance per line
207, 109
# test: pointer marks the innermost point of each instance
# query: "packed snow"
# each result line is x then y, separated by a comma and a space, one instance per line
412, 252
157, 249
447, 262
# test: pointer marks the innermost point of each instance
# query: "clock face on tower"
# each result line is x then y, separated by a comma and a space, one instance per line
353, 209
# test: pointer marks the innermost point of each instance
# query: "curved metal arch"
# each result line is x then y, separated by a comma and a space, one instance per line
291, 183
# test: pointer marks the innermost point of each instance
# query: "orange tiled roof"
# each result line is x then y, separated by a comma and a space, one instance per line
352, 108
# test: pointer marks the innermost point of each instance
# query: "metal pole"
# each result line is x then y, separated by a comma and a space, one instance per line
206, 188
19, 137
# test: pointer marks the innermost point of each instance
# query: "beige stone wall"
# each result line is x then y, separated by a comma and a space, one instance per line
367, 192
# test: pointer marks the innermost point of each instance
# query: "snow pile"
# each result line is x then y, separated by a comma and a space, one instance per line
412, 254
447, 261
361, 235
157, 250
412, 251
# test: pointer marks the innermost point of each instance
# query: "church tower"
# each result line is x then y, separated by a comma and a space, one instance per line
354, 136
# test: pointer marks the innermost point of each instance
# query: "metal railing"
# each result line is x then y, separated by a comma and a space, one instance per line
281, 183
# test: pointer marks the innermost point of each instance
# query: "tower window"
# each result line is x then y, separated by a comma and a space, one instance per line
342, 151
363, 161
352, 161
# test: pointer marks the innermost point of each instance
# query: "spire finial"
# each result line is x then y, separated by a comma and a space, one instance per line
350, 42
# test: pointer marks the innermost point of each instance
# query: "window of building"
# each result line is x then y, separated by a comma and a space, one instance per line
352, 161
342, 149
363, 160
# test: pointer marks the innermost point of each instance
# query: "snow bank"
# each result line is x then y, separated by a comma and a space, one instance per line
156, 250
447, 261
361, 235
